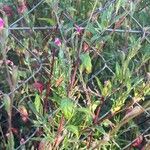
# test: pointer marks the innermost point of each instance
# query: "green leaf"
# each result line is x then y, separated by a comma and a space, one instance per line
7, 103
87, 112
86, 63
107, 88
99, 84
118, 4
100, 129
128, 84
15, 75
38, 104
94, 105
48, 20
119, 103
118, 70
73, 129
67, 108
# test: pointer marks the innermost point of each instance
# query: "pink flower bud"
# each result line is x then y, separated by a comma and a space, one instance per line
1, 24
57, 42
78, 29
22, 141
9, 62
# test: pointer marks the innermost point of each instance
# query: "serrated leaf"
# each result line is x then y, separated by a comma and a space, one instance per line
67, 108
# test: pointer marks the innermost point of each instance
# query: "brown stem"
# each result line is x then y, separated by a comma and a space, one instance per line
89, 140
59, 131
98, 109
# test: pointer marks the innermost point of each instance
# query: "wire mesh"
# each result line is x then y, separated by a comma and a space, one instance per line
14, 27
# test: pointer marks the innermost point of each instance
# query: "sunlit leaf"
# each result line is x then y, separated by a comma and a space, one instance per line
38, 104
86, 62
67, 107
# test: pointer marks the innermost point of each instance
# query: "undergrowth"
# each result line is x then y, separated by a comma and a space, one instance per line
75, 74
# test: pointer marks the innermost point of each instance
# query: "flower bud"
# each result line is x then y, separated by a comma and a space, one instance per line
1, 24
57, 42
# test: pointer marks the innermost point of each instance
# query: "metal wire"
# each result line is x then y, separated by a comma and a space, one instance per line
14, 27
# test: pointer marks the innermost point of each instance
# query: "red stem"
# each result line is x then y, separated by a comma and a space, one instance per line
59, 131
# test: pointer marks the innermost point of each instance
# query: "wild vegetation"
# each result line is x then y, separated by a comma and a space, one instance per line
74, 74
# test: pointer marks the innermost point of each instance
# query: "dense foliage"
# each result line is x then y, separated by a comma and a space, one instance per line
74, 74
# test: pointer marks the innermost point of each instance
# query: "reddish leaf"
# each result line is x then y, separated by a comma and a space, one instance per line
22, 7
38, 86
85, 47
138, 141
14, 130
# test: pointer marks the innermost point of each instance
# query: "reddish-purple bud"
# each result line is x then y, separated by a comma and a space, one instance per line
1, 24
57, 42
78, 29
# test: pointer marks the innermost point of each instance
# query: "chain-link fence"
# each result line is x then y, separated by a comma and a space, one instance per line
39, 63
